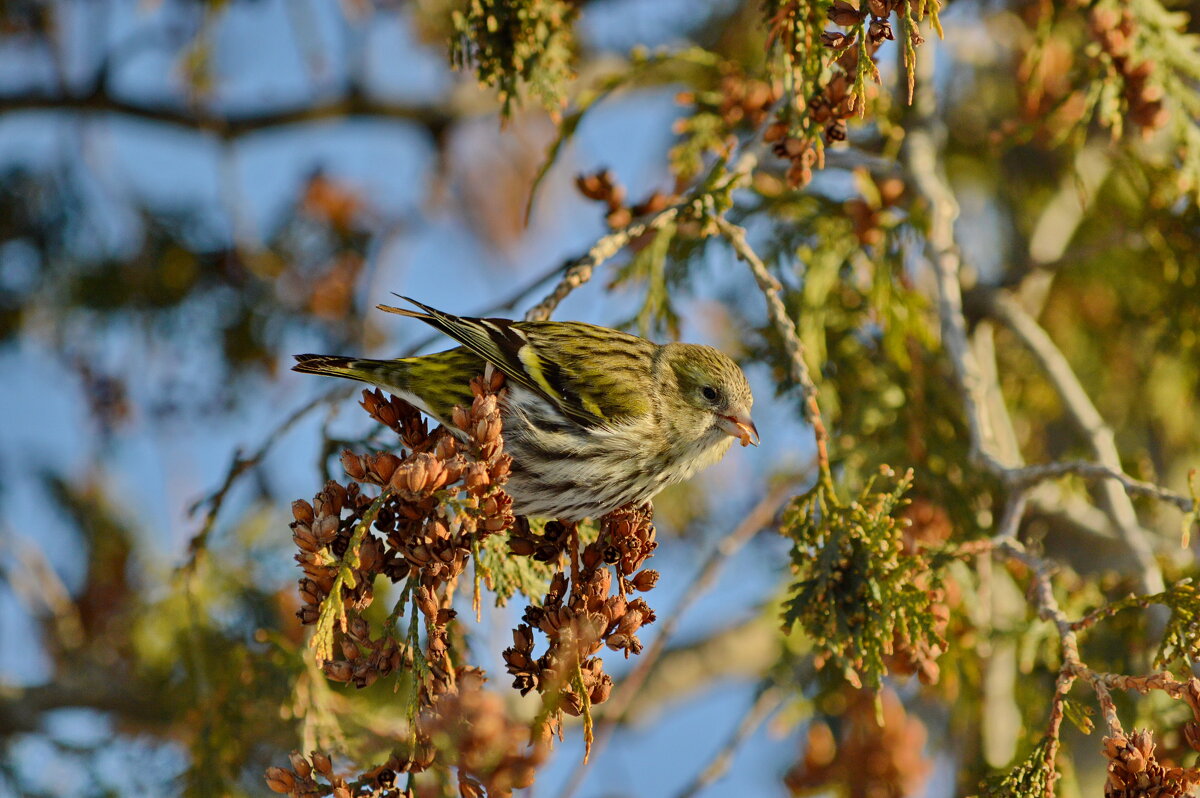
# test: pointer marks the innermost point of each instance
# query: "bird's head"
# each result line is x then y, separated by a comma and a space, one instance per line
709, 390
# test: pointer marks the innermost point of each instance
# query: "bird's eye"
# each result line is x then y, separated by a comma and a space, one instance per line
709, 393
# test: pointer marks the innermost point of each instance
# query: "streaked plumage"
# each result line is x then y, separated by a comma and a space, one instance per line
594, 419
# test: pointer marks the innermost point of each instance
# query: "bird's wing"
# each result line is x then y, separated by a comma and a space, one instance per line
593, 375
601, 372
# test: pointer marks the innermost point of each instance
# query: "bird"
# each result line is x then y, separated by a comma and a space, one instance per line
594, 418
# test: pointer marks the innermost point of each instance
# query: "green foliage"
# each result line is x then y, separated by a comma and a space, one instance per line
333, 606
857, 592
1134, 305
1165, 41
1079, 715
506, 575
194, 664
661, 278
1181, 637
726, 104
516, 43
1032, 777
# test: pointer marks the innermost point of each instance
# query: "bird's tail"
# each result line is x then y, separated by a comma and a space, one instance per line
389, 373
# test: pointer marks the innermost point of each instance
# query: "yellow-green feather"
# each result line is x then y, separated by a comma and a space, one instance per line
604, 371
439, 381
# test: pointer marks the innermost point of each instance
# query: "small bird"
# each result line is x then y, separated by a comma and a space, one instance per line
594, 418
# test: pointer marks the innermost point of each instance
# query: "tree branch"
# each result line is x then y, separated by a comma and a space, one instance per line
766, 701
1031, 475
1098, 434
230, 125
786, 328
578, 271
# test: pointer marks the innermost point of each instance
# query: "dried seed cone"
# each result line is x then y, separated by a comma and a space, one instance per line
440, 499
1134, 772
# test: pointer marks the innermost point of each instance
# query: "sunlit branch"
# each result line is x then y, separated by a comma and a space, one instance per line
1099, 436
1034, 474
578, 271
786, 328
922, 160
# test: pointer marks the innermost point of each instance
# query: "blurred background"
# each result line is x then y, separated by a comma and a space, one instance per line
191, 192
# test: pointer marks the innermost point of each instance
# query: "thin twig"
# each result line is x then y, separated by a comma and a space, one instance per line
699, 202
240, 465
579, 271
1042, 595
767, 700
786, 328
1062, 686
759, 517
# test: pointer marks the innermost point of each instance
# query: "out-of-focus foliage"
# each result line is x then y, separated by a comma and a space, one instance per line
181, 258
515, 45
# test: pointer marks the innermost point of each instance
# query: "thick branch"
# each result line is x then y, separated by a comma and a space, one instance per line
922, 146
22, 709
922, 160
1099, 436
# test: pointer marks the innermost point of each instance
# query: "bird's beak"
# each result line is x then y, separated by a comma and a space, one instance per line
741, 427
